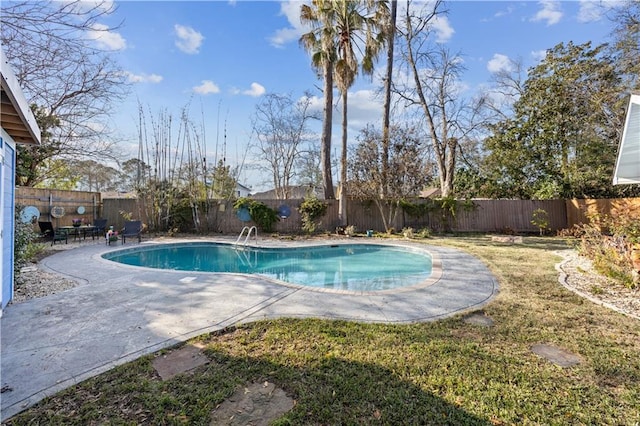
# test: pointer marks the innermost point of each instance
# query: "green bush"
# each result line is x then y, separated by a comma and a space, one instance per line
442, 212
310, 210
540, 219
25, 246
263, 216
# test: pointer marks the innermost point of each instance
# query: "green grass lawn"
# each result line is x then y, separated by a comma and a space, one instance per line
445, 372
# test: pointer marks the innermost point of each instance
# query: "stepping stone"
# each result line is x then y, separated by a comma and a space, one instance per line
179, 361
556, 355
256, 405
513, 239
479, 318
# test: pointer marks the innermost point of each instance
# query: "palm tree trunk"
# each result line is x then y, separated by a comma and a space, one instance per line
325, 151
342, 206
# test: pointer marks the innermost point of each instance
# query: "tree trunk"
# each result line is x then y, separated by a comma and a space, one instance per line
447, 185
342, 206
387, 99
325, 151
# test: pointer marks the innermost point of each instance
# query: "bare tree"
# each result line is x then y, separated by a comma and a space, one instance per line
280, 124
433, 86
508, 86
390, 32
406, 174
626, 42
52, 47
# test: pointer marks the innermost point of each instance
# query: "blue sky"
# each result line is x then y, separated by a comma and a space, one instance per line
222, 56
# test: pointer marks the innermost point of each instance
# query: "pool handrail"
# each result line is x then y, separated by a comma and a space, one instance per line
246, 239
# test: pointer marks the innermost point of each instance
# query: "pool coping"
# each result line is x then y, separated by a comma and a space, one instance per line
436, 265
117, 314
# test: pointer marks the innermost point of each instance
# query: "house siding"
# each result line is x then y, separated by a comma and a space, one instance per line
7, 217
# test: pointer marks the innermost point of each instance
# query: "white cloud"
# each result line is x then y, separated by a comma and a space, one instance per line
538, 55
106, 39
207, 87
290, 9
500, 62
365, 107
590, 11
86, 6
284, 36
143, 78
255, 91
443, 29
506, 12
550, 12
189, 40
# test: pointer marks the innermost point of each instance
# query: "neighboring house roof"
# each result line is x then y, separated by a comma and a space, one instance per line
16, 117
117, 195
430, 193
242, 187
295, 193
628, 163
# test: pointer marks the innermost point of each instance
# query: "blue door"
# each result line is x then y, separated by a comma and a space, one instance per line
7, 174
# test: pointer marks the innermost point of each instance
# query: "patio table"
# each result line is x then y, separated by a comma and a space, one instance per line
79, 231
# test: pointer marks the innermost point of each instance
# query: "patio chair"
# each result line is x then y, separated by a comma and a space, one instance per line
132, 228
60, 235
99, 227
46, 229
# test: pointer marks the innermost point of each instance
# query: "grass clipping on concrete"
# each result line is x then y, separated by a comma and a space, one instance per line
444, 372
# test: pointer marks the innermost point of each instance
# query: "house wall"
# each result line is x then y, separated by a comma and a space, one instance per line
7, 217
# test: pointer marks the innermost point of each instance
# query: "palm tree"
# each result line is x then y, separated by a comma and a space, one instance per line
359, 30
320, 41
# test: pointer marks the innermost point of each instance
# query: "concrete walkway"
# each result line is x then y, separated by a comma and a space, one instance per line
119, 313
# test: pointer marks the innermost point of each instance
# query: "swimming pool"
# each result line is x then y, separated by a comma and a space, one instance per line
353, 267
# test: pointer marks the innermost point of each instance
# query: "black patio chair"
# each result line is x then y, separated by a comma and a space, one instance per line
60, 235
46, 229
132, 228
100, 228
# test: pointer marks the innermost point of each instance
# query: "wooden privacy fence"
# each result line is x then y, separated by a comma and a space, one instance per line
485, 216
75, 204
580, 211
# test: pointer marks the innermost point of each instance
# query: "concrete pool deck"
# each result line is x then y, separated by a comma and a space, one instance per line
118, 313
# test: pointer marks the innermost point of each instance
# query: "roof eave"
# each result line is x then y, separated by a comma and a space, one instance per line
30, 133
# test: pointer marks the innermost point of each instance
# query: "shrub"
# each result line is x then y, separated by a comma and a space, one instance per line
609, 243
310, 210
424, 233
442, 212
25, 246
263, 216
407, 232
540, 219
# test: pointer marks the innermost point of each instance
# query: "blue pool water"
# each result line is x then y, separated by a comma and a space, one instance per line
355, 267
